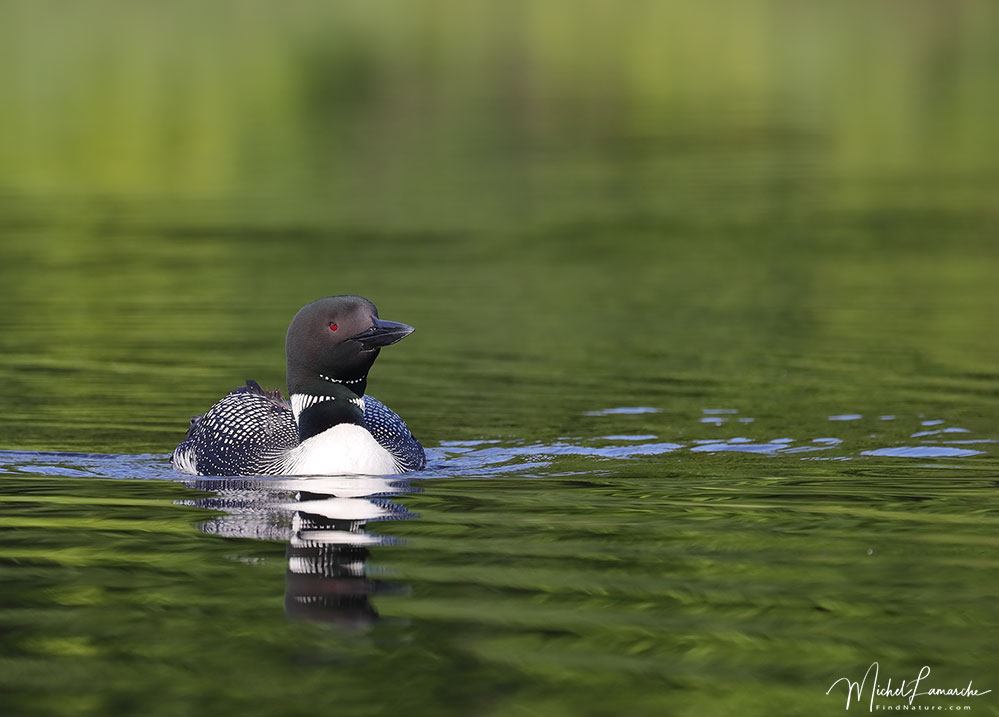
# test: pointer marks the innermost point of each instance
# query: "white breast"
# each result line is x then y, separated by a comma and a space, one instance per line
345, 448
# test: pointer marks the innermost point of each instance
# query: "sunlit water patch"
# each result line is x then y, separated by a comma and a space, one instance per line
623, 410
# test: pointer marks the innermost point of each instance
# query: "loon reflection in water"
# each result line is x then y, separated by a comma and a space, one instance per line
323, 520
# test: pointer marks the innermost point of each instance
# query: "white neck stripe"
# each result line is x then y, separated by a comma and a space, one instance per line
302, 401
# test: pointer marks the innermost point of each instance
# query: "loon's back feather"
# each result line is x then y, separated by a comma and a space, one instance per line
250, 432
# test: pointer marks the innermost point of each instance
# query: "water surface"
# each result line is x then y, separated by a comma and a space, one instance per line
705, 356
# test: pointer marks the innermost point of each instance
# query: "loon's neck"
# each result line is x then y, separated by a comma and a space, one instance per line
322, 404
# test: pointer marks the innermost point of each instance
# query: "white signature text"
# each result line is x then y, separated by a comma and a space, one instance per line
906, 689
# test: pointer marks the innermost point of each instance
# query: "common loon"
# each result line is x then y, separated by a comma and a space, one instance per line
329, 427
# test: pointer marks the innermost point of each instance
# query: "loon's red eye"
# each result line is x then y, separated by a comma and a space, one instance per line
333, 326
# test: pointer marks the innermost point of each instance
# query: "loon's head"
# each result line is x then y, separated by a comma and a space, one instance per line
331, 345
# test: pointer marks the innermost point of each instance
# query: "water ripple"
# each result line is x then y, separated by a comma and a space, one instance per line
487, 457
328, 524
923, 452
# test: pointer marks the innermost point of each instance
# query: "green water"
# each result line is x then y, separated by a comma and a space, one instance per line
773, 225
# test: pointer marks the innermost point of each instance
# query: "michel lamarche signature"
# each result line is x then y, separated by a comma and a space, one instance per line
907, 689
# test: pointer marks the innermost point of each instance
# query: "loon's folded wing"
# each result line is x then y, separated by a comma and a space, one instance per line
393, 435
243, 434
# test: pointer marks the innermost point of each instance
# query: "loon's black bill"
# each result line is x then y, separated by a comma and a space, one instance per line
383, 333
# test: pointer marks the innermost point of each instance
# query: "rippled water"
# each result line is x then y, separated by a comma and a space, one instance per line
705, 359
573, 576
